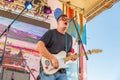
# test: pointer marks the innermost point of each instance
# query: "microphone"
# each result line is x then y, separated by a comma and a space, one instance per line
72, 18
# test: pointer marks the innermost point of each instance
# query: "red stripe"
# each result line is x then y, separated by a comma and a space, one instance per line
70, 13
81, 64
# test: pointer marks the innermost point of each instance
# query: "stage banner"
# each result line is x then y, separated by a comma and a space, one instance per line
77, 69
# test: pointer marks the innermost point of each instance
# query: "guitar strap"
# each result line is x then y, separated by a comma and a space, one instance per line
66, 43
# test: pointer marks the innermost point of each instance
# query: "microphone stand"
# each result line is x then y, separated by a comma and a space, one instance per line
7, 31
25, 63
79, 42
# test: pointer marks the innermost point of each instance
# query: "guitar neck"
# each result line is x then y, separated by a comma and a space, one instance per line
69, 58
82, 54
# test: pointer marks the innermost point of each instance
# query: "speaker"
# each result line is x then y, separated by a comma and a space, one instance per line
12, 74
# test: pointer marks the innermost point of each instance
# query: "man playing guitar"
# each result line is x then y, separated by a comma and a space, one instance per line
50, 44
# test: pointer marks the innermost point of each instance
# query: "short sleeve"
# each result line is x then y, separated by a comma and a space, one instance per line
46, 37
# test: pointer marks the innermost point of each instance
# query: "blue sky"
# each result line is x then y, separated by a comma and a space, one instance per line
103, 33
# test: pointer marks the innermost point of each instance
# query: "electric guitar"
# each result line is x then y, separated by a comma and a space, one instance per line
62, 59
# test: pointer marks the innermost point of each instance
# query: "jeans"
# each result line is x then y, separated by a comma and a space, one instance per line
56, 76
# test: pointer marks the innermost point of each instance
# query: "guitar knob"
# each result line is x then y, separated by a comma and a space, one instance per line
47, 62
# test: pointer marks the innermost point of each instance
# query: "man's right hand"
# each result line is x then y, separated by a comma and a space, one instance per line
43, 50
55, 62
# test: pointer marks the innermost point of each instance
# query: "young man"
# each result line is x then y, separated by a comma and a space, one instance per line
51, 43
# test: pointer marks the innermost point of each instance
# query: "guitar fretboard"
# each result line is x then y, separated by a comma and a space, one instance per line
82, 54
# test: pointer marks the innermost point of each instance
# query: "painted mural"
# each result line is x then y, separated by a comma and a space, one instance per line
21, 51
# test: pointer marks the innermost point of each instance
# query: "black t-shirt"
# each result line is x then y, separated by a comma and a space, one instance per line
56, 42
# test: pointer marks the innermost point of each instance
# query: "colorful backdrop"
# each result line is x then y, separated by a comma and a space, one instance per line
21, 46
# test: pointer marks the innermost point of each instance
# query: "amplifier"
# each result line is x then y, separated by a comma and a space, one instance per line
12, 74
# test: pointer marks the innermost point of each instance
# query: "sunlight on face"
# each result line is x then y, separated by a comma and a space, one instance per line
63, 21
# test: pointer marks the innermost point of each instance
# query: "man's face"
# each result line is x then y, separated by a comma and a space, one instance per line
63, 21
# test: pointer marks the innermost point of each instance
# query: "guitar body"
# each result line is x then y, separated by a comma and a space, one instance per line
47, 65
61, 56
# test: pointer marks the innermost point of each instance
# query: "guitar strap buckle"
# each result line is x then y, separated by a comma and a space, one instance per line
62, 70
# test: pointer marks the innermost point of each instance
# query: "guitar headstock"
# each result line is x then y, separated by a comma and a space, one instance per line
96, 51
92, 51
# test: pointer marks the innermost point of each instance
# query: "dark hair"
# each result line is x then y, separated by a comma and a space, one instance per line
63, 15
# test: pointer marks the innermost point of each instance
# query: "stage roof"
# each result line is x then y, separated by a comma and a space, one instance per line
91, 8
